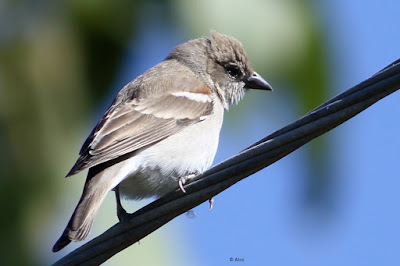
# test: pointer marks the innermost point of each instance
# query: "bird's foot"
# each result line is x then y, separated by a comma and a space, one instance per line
184, 180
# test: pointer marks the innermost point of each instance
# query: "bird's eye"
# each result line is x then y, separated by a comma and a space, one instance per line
233, 71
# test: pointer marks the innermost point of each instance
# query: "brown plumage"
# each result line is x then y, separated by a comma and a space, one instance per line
162, 126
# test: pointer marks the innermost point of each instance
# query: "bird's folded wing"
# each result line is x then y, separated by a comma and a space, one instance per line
137, 123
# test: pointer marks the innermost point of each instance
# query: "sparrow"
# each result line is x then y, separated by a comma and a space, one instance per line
162, 129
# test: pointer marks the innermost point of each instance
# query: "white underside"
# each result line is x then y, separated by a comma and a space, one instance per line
154, 171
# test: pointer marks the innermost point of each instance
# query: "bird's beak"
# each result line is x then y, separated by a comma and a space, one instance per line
255, 81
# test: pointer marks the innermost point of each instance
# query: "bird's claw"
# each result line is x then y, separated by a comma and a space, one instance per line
181, 183
211, 201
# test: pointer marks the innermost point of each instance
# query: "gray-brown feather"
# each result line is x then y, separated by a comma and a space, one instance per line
94, 192
131, 124
182, 96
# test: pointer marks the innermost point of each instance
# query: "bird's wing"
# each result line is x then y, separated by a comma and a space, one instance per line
135, 123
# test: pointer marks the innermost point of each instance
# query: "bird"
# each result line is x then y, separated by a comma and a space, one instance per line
162, 128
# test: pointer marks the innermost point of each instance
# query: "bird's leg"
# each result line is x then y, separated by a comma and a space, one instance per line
185, 180
121, 213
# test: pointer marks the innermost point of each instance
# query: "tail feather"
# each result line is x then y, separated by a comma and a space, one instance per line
79, 225
61, 243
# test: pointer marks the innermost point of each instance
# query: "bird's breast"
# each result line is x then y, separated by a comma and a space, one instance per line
155, 170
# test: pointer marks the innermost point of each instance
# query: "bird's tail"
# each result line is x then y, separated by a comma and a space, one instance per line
94, 192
